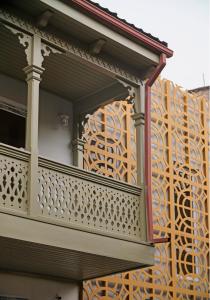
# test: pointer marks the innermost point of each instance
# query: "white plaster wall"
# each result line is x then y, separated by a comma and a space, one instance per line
33, 288
54, 139
13, 89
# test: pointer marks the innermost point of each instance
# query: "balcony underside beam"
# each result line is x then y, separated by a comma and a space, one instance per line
34, 247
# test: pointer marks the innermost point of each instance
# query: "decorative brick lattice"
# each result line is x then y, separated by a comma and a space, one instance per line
87, 204
180, 203
13, 184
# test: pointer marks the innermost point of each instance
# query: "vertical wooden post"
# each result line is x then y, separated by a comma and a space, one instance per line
78, 144
33, 77
78, 150
139, 120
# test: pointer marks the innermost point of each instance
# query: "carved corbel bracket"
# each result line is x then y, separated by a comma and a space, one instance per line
47, 50
83, 120
131, 91
24, 39
139, 99
136, 97
131, 95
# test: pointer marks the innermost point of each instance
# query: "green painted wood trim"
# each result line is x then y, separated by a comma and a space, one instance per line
14, 152
90, 176
39, 232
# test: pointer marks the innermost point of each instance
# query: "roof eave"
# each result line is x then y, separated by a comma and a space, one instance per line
119, 25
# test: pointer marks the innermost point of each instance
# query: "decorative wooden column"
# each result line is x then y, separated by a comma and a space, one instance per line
78, 150
136, 95
78, 143
139, 122
139, 119
33, 77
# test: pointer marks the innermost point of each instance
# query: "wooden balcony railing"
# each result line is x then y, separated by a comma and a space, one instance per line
71, 197
13, 179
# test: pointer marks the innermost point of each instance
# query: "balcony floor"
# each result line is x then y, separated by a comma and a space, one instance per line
30, 246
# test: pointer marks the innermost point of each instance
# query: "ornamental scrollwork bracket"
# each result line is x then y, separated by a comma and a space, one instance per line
83, 120
24, 39
47, 50
80, 120
84, 117
130, 89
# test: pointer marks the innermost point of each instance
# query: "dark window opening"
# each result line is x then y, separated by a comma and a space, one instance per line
12, 129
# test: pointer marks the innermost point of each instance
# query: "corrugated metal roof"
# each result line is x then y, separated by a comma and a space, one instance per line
115, 15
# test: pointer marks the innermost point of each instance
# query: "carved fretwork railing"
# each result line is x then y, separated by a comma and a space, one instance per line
72, 197
90, 202
13, 179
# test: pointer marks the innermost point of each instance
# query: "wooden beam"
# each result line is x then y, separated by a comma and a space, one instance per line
97, 46
43, 19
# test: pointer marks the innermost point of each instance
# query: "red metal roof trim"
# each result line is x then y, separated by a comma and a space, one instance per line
114, 14
120, 25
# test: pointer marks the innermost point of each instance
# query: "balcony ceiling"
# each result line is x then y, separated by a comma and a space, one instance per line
21, 256
30, 246
12, 55
63, 75
72, 28
73, 79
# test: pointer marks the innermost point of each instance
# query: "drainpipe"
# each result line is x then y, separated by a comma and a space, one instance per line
148, 159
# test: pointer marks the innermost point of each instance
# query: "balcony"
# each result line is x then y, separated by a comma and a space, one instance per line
79, 219
56, 218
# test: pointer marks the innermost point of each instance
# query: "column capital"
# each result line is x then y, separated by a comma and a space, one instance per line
78, 150
139, 119
33, 72
78, 144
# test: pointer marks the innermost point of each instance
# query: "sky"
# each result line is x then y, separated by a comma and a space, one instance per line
183, 24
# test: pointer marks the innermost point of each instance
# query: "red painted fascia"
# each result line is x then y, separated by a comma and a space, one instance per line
118, 24
148, 154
